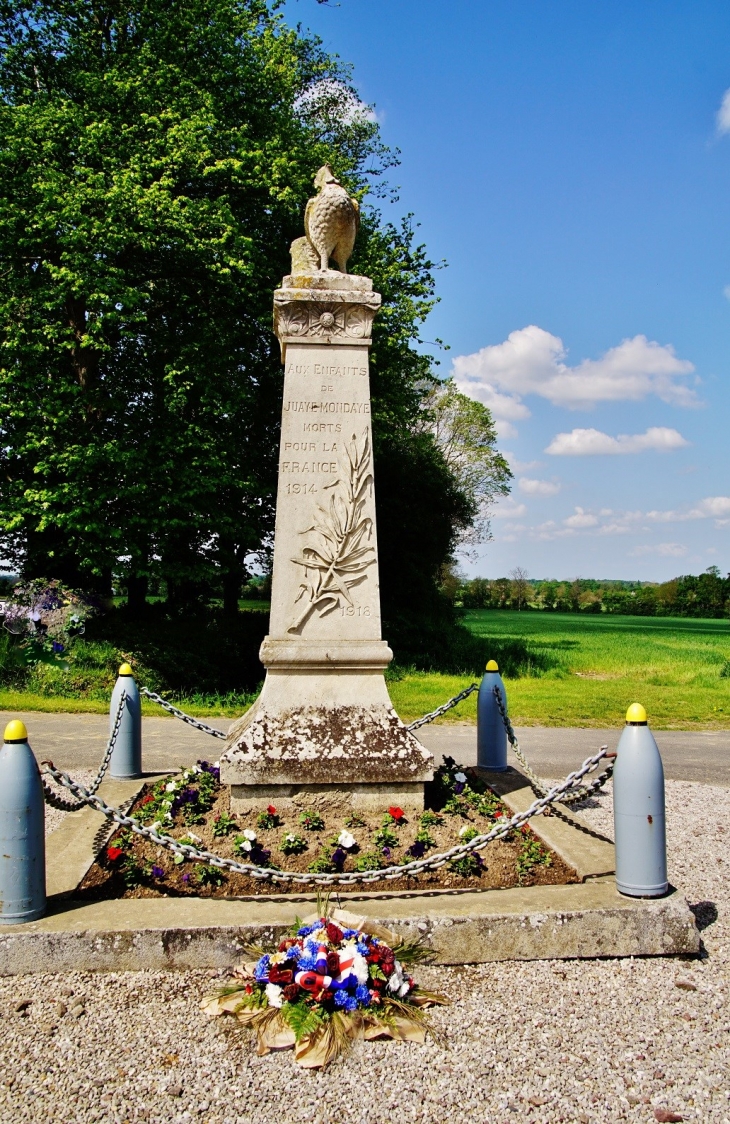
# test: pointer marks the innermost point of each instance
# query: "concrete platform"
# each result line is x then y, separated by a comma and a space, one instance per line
590, 919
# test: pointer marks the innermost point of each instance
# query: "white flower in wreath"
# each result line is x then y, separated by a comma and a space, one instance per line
274, 994
397, 984
346, 840
250, 835
360, 968
460, 777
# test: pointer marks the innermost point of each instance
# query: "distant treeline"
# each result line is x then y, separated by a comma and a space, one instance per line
704, 595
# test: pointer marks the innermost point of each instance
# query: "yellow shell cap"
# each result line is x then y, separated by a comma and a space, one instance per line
125, 669
636, 715
492, 666
16, 731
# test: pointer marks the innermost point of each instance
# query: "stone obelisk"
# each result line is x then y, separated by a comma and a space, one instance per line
323, 728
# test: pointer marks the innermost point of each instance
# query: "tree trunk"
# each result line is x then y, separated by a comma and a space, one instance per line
136, 593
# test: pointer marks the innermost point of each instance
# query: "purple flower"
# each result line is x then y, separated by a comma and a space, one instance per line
158, 872
417, 850
186, 877
386, 852
458, 788
57, 646
212, 769
338, 858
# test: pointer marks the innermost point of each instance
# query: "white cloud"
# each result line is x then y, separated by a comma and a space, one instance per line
592, 442
726, 292
665, 549
581, 519
509, 509
518, 465
713, 507
531, 361
537, 487
722, 118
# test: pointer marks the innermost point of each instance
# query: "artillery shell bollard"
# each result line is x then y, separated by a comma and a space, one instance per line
126, 758
22, 830
638, 811
491, 734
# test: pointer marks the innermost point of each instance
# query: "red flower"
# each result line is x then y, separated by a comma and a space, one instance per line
333, 964
148, 798
278, 975
396, 813
249, 989
113, 853
498, 814
290, 992
271, 810
334, 934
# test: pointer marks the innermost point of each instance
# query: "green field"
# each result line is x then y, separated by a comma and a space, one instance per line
589, 669
600, 664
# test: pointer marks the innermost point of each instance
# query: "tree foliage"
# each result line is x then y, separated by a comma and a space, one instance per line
155, 160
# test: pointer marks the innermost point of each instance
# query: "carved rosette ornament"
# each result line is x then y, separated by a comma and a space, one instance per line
333, 315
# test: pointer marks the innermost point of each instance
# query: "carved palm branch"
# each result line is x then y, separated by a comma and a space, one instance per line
340, 556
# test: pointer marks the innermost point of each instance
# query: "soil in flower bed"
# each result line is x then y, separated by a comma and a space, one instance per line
193, 806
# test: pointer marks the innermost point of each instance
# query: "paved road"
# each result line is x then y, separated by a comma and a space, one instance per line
76, 741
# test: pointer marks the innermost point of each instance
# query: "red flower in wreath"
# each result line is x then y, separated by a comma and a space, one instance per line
113, 853
334, 934
290, 992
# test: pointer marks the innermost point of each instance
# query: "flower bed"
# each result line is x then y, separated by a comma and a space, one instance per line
194, 807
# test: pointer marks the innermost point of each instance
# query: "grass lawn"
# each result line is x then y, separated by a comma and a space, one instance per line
597, 666
600, 664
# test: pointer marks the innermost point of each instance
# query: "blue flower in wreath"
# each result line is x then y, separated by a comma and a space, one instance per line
341, 998
362, 995
349, 933
350, 1003
362, 948
261, 971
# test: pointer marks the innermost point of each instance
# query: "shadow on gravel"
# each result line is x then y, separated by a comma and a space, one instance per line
705, 914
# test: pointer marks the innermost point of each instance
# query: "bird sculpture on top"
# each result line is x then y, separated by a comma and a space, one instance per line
331, 221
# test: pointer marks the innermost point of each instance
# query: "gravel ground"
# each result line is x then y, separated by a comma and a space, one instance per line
587, 1041
54, 817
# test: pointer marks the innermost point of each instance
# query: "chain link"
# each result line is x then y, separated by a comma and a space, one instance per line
578, 793
55, 800
417, 866
188, 718
443, 709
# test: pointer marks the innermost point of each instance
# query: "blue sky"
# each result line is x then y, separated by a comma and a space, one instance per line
571, 162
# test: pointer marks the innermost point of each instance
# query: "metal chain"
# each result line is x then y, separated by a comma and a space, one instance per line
442, 709
182, 715
578, 793
417, 866
57, 801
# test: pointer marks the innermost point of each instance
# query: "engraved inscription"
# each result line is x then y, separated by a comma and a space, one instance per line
337, 552
307, 406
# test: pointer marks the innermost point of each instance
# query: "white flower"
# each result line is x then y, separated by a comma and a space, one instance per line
246, 846
274, 994
360, 968
170, 787
460, 777
346, 840
290, 838
404, 989
463, 830
216, 764
248, 834
395, 983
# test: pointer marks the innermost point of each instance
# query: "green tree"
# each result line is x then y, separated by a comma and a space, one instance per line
155, 160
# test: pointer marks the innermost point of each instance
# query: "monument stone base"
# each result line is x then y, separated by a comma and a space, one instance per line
335, 799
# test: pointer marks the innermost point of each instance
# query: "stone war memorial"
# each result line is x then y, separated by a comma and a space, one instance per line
320, 785
323, 730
